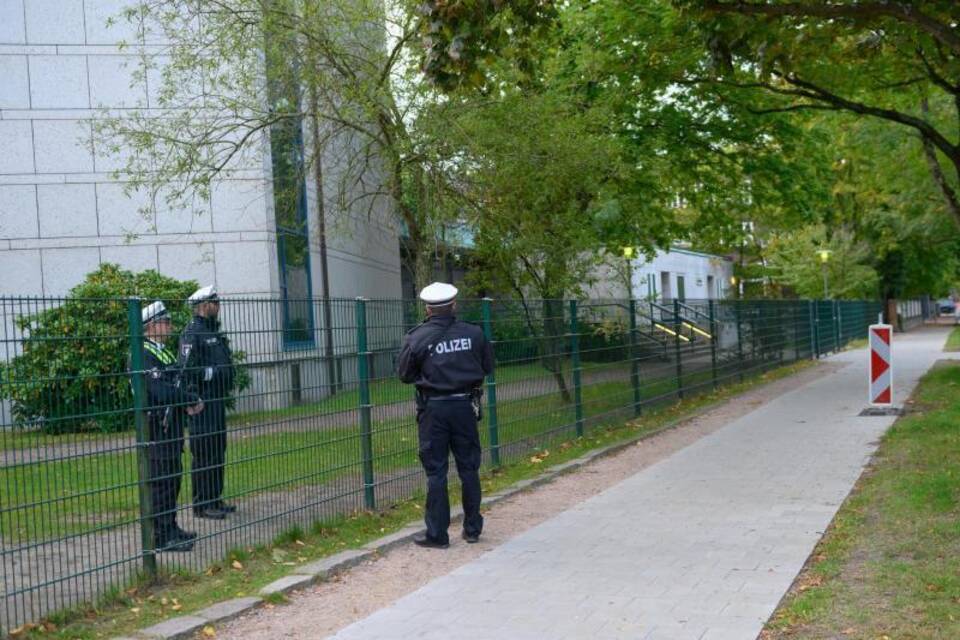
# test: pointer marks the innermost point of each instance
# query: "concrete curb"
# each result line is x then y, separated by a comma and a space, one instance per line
184, 627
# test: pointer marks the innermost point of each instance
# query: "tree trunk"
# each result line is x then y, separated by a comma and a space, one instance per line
553, 344
422, 265
333, 380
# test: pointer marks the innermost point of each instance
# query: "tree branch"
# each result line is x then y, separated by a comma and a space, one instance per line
927, 130
949, 195
903, 11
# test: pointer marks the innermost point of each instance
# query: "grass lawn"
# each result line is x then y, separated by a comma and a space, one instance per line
889, 566
383, 391
140, 605
82, 494
953, 341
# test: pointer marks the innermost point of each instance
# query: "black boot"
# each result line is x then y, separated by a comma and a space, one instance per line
430, 543
209, 513
172, 542
223, 506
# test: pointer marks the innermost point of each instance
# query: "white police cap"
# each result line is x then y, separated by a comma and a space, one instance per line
438, 294
204, 294
153, 311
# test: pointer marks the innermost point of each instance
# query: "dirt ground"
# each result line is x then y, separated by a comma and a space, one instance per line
327, 607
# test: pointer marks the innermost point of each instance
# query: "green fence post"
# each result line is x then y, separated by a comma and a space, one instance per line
795, 312
713, 342
491, 385
816, 326
135, 327
634, 360
366, 431
736, 313
676, 346
575, 360
834, 327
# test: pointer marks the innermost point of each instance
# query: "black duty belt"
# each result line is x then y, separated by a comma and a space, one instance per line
448, 396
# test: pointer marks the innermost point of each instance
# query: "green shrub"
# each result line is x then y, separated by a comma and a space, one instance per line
71, 373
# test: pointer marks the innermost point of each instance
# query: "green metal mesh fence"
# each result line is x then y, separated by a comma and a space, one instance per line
320, 426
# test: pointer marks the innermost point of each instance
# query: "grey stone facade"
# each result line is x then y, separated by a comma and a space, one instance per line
62, 214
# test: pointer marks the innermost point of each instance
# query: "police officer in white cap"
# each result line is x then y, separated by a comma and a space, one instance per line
167, 402
447, 360
208, 365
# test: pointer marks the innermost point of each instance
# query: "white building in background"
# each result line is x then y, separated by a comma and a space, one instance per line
675, 273
62, 215
682, 274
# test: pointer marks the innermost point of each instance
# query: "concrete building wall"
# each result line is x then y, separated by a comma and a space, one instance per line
704, 276
62, 213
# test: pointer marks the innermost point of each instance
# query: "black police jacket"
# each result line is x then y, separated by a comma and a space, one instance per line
206, 359
166, 399
445, 355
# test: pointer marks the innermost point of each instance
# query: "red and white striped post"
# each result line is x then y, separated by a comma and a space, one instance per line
881, 365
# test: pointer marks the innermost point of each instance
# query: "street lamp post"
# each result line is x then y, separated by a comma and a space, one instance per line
824, 258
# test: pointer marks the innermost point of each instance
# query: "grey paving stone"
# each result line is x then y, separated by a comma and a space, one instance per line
223, 611
173, 629
288, 583
699, 546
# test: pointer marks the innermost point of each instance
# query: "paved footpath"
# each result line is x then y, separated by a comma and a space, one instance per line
700, 546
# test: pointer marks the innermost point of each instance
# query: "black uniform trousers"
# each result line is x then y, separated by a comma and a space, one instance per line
448, 424
208, 447
166, 470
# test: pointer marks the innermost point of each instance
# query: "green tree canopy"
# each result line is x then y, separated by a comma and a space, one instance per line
71, 372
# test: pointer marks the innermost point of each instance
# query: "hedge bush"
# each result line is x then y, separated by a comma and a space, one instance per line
70, 375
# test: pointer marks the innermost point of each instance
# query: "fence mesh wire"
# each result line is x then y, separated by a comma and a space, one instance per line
321, 426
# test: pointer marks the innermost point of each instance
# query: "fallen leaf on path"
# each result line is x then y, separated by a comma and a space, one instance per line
209, 631
22, 629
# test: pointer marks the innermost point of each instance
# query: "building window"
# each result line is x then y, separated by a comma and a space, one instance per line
293, 238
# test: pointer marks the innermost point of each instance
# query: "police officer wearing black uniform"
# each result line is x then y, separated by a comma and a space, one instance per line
208, 366
447, 360
167, 403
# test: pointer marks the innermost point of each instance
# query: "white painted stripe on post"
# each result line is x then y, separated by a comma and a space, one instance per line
880, 376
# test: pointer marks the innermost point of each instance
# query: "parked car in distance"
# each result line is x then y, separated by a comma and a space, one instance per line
946, 305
